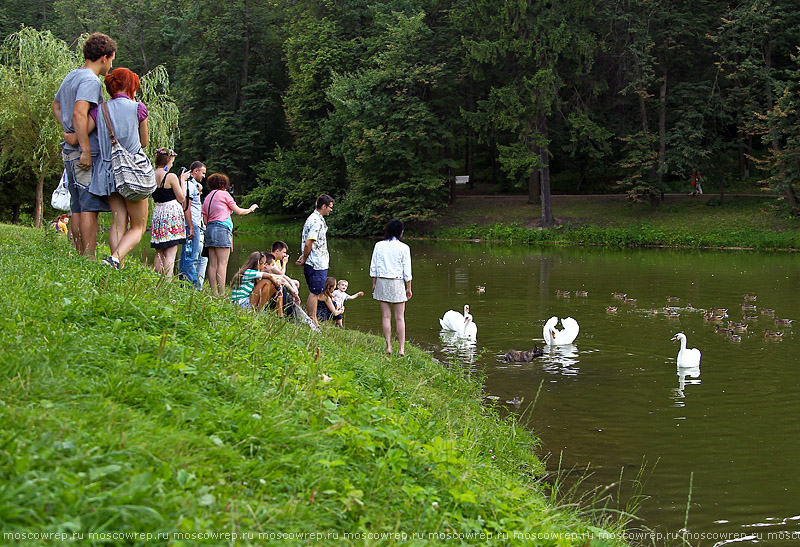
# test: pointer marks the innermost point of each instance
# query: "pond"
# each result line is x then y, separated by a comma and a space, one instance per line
614, 399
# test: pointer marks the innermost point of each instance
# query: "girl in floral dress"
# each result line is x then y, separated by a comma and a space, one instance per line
168, 228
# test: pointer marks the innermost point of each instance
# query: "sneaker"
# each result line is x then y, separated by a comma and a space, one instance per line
111, 261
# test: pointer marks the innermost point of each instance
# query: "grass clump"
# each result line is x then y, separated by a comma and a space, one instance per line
133, 405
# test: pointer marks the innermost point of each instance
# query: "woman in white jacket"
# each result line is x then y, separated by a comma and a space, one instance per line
390, 270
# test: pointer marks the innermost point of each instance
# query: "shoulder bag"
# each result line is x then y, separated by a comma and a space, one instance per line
60, 199
134, 176
210, 197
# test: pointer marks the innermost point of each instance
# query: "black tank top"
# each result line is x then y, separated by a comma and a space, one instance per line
163, 195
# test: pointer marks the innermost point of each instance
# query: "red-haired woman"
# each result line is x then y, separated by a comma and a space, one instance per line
129, 119
217, 209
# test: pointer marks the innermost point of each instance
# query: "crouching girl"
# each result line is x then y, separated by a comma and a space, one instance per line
253, 285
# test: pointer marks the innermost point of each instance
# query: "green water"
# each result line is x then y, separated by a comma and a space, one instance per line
614, 398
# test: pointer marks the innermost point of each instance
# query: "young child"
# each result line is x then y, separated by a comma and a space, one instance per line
326, 309
251, 282
60, 224
339, 296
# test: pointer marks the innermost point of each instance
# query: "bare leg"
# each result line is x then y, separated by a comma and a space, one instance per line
119, 221
211, 272
262, 292
400, 322
311, 307
386, 325
137, 212
75, 226
159, 263
218, 268
169, 260
88, 231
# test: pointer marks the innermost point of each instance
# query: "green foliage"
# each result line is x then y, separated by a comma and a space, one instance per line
390, 140
162, 120
131, 404
32, 65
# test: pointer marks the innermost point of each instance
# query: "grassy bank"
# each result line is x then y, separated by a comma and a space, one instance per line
130, 405
740, 222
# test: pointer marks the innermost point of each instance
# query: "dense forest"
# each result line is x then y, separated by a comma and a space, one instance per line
381, 104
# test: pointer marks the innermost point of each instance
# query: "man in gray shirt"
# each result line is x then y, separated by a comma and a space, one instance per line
79, 91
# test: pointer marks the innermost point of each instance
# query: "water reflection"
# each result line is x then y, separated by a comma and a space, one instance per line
561, 360
458, 348
693, 375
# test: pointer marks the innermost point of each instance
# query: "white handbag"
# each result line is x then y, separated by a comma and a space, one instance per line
60, 199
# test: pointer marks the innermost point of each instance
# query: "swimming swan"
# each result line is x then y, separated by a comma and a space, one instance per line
461, 324
687, 358
554, 337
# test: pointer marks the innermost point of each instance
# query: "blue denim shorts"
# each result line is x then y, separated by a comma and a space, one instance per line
315, 279
218, 235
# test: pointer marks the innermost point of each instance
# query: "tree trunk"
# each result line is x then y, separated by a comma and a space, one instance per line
37, 209
791, 197
535, 177
744, 167
662, 131
469, 154
15, 212
245, 56
534, 185
547, 208
493, 155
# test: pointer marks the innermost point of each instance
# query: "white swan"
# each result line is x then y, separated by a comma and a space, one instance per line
554, 337
462, 325
687, 358
453, 320
470, 329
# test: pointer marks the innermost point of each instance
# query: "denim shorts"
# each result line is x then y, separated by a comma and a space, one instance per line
218, 235
315, 279
81, 199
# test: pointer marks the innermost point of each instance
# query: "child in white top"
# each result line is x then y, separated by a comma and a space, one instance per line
339, 296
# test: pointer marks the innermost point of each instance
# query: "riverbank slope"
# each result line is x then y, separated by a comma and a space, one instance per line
133, 406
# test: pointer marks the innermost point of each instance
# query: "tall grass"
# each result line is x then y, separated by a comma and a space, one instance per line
130, 404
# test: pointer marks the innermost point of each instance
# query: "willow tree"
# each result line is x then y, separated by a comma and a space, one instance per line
32, 65
162, 120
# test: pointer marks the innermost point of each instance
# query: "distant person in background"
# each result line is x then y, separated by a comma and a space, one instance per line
79, 91
217, 209
191, 255
315, 258
390, 270
61, 223
168, 229
697, 183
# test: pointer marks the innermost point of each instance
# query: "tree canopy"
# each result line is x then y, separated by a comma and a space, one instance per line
381, 104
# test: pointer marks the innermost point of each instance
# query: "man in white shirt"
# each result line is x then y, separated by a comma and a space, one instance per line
191, 258
315, 258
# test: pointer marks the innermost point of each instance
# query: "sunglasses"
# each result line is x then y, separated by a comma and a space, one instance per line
166, 151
